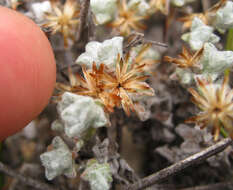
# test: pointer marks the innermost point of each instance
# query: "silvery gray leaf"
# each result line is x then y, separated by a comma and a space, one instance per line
105, 52
58, 161
79, 114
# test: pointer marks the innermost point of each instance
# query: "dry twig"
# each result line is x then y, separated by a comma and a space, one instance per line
175, 168
217, 186
27, 180
83, 18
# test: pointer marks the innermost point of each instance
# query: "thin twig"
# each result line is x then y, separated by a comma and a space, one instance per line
136, 39
216, 186
83, 18
175, 168
27, 180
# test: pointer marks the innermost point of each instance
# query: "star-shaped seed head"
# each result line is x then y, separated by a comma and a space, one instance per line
216, 105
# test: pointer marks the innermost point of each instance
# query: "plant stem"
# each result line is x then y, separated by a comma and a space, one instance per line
177, 167
229, 43
26, 180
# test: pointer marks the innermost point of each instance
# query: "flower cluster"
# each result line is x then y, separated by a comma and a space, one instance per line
206, 65
113, 88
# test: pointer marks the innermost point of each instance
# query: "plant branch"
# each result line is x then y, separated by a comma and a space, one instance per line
177, 167
27, 180
83, 18
216, 186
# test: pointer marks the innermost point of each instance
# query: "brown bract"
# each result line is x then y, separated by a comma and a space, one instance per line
63, 19
128, 79
90, 85
186, 59
127, 19
216, 105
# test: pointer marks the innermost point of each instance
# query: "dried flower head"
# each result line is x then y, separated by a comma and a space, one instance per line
64, 19
112, 88
160, 5
216, 105
187, 20
127, 80
90, 85
127, 20
186, 59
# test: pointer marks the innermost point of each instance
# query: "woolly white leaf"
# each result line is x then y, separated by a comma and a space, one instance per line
180, 3
187, 77
98, 175
215, 61
57, 126
103, 10
200, 33
149, 54
141, 5
79, 114
58, 161
105, 52
224, 17
40, 8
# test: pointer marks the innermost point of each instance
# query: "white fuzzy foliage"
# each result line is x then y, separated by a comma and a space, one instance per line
200, 34
103, 10
98, 175
224, 17
58, 161
40, 8
80, 113
213, 63
105, 52
180, 3
141, 5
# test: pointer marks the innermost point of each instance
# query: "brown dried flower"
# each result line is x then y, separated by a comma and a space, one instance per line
127, 80
216, 105
90, 85
64, 19
127, 19
186, 59
113, 88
